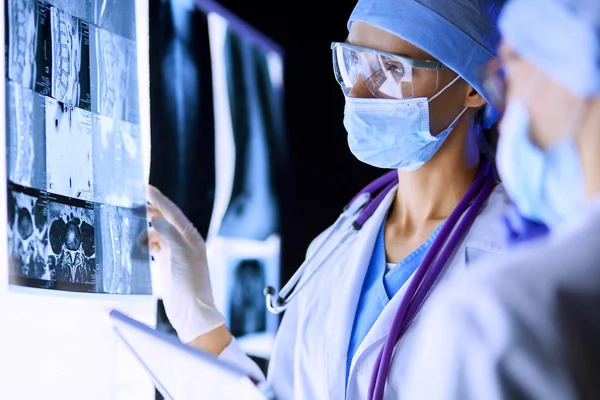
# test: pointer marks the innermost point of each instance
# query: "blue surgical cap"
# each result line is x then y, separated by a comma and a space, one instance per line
560, 37
462, 34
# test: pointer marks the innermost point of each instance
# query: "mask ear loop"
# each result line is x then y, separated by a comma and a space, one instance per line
453, 123
444, 89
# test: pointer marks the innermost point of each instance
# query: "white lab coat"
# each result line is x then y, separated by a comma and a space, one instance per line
309, 355
527, 326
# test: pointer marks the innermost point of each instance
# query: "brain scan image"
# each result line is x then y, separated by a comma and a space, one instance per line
22, 30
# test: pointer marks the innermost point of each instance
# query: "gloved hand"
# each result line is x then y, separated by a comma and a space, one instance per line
180, 254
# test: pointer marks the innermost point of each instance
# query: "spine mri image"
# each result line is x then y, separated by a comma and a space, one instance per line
75, 180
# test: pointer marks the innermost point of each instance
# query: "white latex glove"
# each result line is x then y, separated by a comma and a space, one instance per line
180, 255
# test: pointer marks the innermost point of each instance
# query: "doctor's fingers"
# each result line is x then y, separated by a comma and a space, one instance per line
169, 210
156, 241
153, 212
167, 232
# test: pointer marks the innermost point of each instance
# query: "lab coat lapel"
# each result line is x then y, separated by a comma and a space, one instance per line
351, 271
482, 236
379, 330
381, 327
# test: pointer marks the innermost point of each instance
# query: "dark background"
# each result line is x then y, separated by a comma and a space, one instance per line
324, 173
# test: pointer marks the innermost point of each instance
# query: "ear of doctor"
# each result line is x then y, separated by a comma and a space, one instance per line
528, 326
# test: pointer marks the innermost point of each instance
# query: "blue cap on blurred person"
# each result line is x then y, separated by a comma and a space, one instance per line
560, 37
462, 34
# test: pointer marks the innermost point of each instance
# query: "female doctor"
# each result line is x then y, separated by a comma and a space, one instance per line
409, 71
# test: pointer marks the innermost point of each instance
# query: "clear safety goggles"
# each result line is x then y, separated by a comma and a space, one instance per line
383, 74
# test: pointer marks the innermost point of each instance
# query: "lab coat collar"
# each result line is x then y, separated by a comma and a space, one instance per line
352, 270
483, 235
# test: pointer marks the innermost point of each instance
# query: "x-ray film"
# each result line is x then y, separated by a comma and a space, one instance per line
247, 311
114, 87
62, 57
82, 9
115, 16
68, 150
51, 240
25, 137
116, 157
75, 174
21, 38
124, 259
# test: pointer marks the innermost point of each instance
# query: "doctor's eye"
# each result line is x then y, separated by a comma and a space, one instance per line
396, 68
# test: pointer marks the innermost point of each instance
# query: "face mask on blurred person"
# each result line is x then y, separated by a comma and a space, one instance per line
546, 185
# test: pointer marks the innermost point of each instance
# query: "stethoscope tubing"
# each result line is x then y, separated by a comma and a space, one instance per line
426, 275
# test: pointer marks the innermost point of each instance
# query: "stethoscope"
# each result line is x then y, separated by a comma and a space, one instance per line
358, 211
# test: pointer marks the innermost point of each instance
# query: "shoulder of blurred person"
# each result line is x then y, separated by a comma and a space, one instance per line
525, 326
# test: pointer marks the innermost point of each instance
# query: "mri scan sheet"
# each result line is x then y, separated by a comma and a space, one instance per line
76, 186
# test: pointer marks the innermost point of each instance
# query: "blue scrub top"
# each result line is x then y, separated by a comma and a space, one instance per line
379, 287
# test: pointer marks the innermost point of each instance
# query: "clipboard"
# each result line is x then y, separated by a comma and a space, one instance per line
182, 372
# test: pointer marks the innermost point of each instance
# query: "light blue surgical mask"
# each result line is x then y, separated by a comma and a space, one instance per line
390, 133
546, 185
